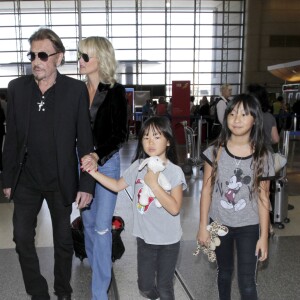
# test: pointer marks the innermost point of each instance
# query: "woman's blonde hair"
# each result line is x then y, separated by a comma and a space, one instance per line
102, 49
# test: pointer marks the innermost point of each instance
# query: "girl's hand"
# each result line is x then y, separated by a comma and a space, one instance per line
203, 236
151, 179
89, 162
262, 249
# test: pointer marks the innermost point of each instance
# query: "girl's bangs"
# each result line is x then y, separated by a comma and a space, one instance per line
154, 127
248, 108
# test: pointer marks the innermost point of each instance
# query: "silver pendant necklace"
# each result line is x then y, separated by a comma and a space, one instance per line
237, 163
41, 104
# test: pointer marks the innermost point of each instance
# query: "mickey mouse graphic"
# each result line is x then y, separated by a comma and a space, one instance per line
234, 185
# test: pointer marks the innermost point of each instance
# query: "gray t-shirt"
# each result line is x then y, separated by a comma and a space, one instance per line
232, 204
269, 121
152, 224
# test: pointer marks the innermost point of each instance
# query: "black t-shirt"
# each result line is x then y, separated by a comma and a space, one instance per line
40, 170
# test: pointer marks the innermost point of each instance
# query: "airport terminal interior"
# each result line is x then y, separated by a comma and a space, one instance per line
277, 278
206, 43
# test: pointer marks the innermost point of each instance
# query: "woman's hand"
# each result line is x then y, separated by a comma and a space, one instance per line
89, 162
262, 249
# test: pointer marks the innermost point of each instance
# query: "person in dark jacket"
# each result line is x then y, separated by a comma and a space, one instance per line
2, 133
204, 107
108, 110
47, 125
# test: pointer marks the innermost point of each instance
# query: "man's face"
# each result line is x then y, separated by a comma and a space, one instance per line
44, 70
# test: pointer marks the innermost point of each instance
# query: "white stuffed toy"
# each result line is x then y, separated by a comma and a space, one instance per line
155, 164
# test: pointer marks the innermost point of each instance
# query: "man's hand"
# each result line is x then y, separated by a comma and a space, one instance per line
7, 192
83, 200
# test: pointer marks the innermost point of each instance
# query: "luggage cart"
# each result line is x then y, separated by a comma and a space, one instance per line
193, 159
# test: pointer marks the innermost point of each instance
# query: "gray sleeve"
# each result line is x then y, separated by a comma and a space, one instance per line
182, 180
221, 107
269, 171
207, 155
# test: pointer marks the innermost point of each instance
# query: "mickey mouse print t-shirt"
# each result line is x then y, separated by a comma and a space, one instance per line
232, 203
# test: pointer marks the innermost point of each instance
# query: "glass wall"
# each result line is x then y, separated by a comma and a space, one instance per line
156, 41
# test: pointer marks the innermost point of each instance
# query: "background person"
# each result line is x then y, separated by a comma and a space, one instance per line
108, 110
269, 122
2, 133
3, 103
146, 110
226, 91
47, 123
279, 112
220, 103
204, 107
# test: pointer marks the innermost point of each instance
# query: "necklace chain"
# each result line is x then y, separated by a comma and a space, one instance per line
237, 163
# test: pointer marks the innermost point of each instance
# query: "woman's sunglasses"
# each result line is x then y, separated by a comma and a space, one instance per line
43, 56
84, 56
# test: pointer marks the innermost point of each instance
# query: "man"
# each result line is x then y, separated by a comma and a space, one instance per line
223, 101
220, 107
279, 112
278, 105
47, 123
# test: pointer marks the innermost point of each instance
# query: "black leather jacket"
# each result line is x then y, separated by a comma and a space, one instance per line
110, 124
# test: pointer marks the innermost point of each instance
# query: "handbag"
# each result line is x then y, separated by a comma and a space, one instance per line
279, 161
118, 247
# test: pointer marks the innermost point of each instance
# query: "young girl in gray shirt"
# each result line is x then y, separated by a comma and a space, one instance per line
157, 229
237, 172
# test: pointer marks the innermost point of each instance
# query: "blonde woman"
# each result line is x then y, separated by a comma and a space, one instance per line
108, 110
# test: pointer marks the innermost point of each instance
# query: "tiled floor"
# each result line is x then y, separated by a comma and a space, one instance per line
278, 279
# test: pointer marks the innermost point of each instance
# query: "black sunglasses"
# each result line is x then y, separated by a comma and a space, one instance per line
84, 56
43, 56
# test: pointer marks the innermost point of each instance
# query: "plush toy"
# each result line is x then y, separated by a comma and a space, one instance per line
215, 230
155, 164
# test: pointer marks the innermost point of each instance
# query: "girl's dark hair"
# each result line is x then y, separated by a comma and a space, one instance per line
256, 139
161, 125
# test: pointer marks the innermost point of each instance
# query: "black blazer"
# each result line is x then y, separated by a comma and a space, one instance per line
72, 132
110, 125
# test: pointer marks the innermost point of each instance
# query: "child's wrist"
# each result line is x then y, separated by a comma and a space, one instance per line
155, 188
94, 155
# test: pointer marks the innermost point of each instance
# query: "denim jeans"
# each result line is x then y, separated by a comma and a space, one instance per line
27, 204
156, 268
245, 239
97, 220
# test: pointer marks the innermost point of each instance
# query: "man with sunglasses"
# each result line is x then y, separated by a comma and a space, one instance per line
48, 128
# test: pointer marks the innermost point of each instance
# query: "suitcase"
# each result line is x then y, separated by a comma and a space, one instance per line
279, 202
118, 247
